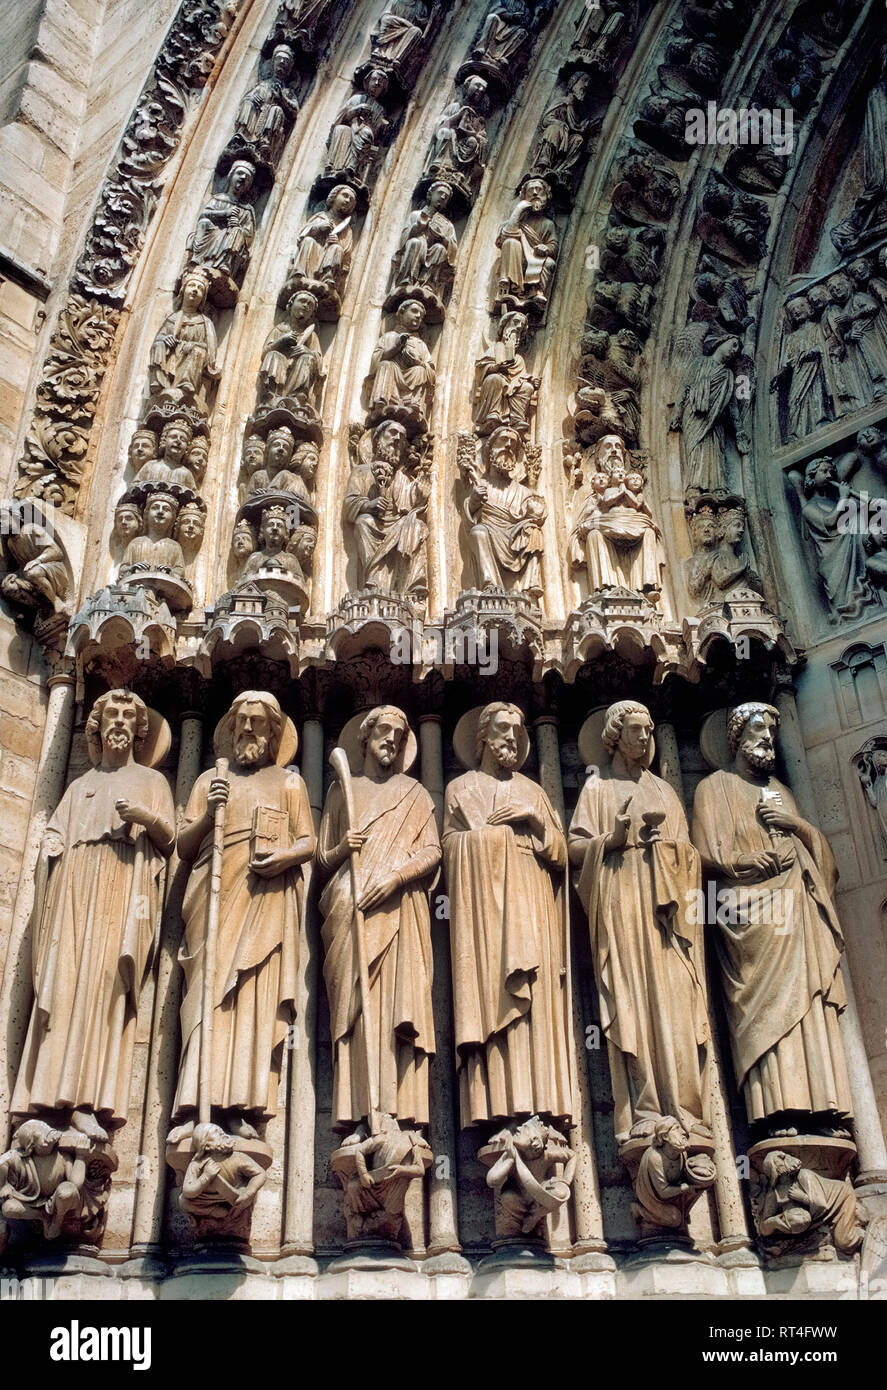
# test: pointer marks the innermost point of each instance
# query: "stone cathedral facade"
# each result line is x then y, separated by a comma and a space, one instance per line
443, 694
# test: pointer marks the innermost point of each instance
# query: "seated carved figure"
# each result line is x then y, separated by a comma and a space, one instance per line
614, 535
220, 1181
798, 1203
528, 246
505, 519
41, 578
222, 239
385, 503
170, 469
352, 147
401, 370
458, 148
428, 246
156, 549
266, 109
322, 257
292, 365
505, 392
42, 1178
183, 355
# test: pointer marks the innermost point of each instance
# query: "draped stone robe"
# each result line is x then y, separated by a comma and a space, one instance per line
257, 948
398, 817
97, 905
647, 954
508, 918
779, 953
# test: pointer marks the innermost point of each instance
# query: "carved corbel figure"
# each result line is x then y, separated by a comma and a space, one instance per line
531, 1175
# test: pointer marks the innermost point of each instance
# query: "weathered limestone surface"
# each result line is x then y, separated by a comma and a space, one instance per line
384, 377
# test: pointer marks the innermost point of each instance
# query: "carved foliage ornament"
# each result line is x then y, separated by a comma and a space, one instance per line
81, 344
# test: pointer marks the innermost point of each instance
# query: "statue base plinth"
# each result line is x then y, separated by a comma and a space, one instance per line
516, 1252
372, 1255
831, 1158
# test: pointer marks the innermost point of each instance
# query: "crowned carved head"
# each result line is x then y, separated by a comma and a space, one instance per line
142, 447
127, 521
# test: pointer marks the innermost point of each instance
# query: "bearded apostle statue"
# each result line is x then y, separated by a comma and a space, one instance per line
268, 836
778, 938
97, 904
638, 876
505, 862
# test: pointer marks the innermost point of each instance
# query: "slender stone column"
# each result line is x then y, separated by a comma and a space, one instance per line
733, 1232
794, 754
867, 1131
17, 993
669, 759
866, 1120
732, 1225
298, 1216
150, 1188
586, 1192
443, 1235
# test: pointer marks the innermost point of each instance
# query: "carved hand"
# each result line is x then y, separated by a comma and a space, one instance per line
131, 813
379, 892
619, 834
776, 818
761, 864
273, 862
218, 794
515, 815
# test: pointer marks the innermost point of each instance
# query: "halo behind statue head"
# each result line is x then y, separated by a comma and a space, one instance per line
223, 738
150, 749
349, 739
465, 738
714, 741
592, 749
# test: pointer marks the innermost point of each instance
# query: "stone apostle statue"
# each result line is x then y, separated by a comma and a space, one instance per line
778, 939
505, 861
395, 845
639, 874
269, 835
97, 905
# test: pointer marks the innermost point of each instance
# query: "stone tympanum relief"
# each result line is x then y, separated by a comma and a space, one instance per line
379, 845
246, 833
637, 873
509, 952
97, 904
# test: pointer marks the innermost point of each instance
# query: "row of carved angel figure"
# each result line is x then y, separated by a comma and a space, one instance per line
247, 834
